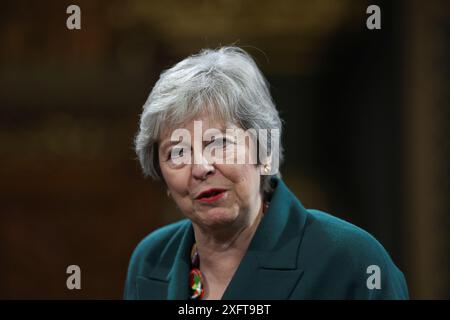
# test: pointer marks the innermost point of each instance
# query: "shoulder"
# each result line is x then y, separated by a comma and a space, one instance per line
342, 235
154, 253
155, 245
347, 256
156, 241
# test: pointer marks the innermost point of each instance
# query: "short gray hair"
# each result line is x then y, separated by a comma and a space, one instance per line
223, 82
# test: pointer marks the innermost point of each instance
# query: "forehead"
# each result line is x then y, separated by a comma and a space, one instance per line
204, 121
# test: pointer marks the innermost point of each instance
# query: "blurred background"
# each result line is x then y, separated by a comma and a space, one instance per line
366, 132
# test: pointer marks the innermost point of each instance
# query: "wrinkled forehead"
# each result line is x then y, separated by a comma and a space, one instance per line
201, 122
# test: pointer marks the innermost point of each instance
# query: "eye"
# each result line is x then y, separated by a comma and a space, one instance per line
227, 142
175, 153
223, 142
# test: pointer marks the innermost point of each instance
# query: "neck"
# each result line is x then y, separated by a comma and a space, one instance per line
221, 251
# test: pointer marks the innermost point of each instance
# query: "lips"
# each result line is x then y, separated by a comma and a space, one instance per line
211, 195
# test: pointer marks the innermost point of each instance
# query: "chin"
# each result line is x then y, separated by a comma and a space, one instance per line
218, 217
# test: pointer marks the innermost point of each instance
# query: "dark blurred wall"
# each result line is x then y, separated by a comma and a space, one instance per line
366, 127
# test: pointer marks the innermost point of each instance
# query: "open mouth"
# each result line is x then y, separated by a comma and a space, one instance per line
211, 195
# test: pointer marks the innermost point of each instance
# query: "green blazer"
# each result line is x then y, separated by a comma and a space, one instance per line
295, 254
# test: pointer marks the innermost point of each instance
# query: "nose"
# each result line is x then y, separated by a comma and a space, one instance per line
203, 169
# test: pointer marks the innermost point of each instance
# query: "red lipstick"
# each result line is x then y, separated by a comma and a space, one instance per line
211, 195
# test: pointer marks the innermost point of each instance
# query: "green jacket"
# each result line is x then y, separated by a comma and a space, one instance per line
294, 254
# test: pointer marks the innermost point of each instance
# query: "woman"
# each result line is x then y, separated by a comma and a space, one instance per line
246, 235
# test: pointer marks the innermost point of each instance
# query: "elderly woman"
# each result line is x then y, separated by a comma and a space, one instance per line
246, 235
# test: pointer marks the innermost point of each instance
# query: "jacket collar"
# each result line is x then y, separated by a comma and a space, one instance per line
269, 268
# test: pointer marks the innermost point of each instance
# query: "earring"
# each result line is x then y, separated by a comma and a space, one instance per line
168, 193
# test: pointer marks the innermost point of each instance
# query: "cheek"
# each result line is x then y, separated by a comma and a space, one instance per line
245, 178
177, 181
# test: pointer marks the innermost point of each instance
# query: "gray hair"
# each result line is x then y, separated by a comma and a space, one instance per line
225, 83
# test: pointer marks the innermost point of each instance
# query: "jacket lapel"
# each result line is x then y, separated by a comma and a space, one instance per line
169, 283
254, 282
269, 269
151, 289
178, 288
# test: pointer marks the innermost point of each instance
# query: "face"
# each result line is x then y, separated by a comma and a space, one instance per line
210, 193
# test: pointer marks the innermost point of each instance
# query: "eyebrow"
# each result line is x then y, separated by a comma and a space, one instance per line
168, 142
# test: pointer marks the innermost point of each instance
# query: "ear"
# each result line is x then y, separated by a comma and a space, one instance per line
266, 166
